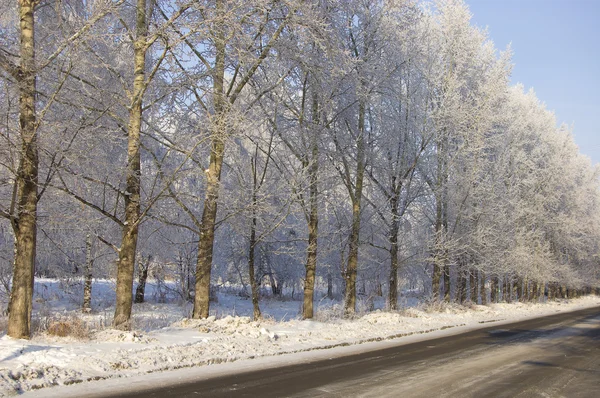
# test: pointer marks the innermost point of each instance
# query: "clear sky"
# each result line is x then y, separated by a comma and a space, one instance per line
556, 50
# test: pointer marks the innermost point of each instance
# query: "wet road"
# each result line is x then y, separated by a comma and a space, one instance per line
556, 356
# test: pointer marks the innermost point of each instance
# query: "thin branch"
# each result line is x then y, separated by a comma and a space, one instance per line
78, 34
107, 243
261, 58
10, 67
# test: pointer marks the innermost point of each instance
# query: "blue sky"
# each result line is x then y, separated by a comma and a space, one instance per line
556, 50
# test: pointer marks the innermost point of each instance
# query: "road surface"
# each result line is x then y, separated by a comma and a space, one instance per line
556, 356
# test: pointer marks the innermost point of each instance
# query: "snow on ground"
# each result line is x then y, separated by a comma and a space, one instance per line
165, 339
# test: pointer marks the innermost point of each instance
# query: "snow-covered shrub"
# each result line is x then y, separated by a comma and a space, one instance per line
63, 326
430, 306
329, 313
68, 328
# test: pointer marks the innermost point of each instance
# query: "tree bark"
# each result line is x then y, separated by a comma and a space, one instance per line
513, 288
482, 291
276, 287
393, 288
213, 174
207, 232
313, 220
435, 280
508, 289
127, 252
494, 289
140, 291
311, 261
352, 268
473, 285
87, 285
24, 223
439, 260
447, 282
462, 285
251, 257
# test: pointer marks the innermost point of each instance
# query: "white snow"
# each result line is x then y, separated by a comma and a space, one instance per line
164, 339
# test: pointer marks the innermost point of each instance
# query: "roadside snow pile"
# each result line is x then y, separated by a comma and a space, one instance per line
46, 361
109, 335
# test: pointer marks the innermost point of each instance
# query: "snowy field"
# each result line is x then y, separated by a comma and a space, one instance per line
164, 338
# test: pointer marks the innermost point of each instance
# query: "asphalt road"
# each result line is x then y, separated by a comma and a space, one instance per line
556, 356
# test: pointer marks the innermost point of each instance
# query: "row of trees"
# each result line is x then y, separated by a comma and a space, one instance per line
368, 144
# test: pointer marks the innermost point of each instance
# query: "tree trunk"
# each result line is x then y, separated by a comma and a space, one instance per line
482, 291
276, 287
140, 291
447, 282
542, 291
462, 285
441, 219
313, 222
513, 288
526, 290
213, 174
251, 257
329, 285
473, 285
127, 252
393, 288
352, 268
438, 261
435, 279
87, 285
494, 289
520, 289
311, 263
24, 222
